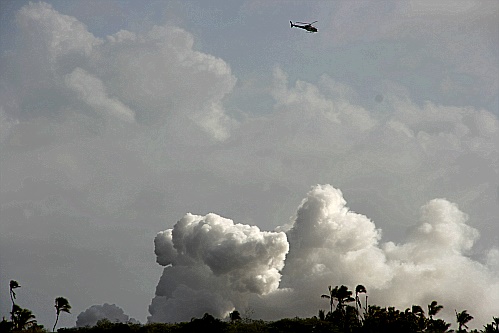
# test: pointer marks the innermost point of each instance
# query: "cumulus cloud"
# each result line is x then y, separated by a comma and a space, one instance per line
111, 312
426, 266
91, 90
54, 36
210, 255
156, 77
327, 97
328, 245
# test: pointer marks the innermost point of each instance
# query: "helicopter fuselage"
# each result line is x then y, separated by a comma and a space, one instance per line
308, 27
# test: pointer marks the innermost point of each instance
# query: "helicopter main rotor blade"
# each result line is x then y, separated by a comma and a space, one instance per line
306, 22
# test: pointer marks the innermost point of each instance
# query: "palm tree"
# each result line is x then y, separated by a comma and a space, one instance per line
417, 310
359, 289
331, 296
433, 309
492, 327
343, 295
462, 318
419, 317
22, 318
61, 305
13, 285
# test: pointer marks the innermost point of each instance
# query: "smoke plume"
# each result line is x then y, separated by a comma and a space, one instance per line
211, 263
111, 312
215, 266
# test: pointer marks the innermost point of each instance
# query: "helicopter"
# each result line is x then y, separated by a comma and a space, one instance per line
307, 26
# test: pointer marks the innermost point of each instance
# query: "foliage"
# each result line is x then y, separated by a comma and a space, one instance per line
344, 318
377, 320
61, 305
235, 315
22, 320
462, 319
342, 295
492, 327
13, 285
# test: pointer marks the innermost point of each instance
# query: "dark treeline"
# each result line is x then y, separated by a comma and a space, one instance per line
342, 317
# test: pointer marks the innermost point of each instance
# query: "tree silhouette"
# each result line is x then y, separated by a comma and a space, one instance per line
22, 318
331, 296
435, 325
343, 295
462, 318
433, 309
13, 285
492, 327
5, 325
235, 315
359, 289
418, 317
61, 305
344, 316
322, 316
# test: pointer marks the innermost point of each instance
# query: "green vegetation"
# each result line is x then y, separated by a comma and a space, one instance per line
342, 318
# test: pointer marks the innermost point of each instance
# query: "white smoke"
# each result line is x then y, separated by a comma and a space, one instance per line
211, 264
111, 312
214, 265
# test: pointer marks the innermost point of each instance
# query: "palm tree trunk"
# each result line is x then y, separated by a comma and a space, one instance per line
12, 313
55, 324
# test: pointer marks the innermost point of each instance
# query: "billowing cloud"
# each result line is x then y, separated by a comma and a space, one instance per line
111, 312
55, 37
106, 138
328, 245
337, 246
91, 90
210, 255
329, 240
155, 78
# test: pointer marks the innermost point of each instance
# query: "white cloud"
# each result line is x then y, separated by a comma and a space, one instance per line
162, 73
328, 244
52, 36
156, 77
91, 90
221, 258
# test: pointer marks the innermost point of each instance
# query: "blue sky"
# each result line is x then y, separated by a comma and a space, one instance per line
118, 118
